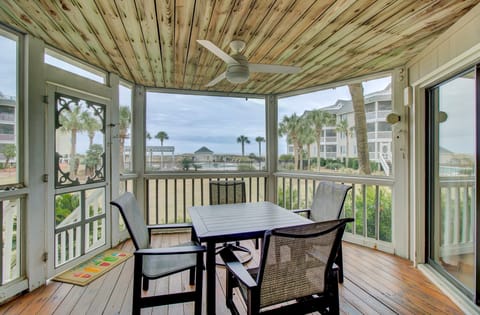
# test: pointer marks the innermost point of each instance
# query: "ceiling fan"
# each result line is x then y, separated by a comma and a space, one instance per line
238, 68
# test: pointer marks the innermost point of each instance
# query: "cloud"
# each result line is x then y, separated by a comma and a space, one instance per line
193, 121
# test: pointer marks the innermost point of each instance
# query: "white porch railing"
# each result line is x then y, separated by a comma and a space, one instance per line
68, 233
369, 203
11, 241
169, 195
457, 216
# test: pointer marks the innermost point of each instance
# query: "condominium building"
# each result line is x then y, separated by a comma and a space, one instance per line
7, 123
339, 145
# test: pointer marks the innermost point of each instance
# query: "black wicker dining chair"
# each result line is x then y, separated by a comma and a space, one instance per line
327, 204
228, 192
296, 274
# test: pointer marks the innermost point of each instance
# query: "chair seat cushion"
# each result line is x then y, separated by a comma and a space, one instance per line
155, 266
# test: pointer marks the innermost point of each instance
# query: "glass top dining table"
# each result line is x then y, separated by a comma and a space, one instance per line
235, 222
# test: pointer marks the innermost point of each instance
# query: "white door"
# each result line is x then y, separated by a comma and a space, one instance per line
78, 167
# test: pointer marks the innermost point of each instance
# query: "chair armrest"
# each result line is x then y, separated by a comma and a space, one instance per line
299, 211
171, 250
170, 226
236, 268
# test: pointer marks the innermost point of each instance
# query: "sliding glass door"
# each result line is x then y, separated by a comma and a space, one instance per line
452, 179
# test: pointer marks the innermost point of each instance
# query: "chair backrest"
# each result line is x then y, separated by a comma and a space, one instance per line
227, 191
297, 261
328, 201
127, 204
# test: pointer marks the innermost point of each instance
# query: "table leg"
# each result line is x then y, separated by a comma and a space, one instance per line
210, 268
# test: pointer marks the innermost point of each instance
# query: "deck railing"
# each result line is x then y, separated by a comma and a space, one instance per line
369, 202
168, 196
10, 239
457, 215
69, 243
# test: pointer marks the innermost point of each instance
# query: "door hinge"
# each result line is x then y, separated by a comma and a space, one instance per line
45, 257
45, 178
45, 99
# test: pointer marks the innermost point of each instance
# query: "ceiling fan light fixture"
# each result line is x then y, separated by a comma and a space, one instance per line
237, 73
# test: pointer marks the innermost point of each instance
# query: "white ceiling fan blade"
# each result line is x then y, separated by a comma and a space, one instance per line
217, 51
258, 67
217, 79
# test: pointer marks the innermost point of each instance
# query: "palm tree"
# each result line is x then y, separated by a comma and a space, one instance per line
260, 140
161, 135
91, 125
319, 119
243, 139
342, 127
290, 127
124, 122
356, 91
148, 137
9, 151
307, 137
70, 120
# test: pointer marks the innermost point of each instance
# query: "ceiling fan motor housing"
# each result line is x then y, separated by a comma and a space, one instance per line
238, 73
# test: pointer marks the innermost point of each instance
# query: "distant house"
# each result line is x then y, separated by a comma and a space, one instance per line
7, 123
203, 154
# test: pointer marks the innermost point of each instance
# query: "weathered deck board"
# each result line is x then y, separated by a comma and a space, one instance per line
375, 283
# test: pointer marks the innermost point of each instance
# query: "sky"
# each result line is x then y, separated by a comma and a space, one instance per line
8, 72
193, 121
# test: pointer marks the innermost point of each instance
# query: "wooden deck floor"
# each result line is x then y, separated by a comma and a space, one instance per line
375, 283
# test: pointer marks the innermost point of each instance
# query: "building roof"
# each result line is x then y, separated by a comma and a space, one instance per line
204, 150
346, 106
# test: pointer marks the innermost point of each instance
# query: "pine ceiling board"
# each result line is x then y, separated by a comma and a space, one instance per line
345, 55
77, 34
374, 60
257, 18
131, 21
444, 12
303, 43
40, 26
94, 19
298, 18
69, 15
330, 39
261, 40
210, 65
166, 29
201, 19
184, 10
14, 16
114, 24
287, 39
330, 25
146, 12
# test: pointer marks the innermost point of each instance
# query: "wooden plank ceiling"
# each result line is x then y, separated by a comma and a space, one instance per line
153, 42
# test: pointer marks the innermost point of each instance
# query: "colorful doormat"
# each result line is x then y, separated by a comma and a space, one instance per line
90, 270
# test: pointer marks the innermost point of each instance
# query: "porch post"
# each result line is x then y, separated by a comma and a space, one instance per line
271, 108
138, 144
36, 213
400, 193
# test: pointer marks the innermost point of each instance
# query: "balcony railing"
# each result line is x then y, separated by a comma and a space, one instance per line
168, 196
11, 249
369, 202
457, 215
